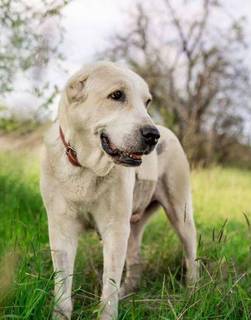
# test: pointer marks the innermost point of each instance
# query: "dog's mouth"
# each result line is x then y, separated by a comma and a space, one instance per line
126, 158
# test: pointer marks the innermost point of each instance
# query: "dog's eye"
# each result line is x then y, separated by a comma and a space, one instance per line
148, 102
117, 95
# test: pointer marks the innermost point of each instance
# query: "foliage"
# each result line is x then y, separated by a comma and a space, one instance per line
27, 43
15, 125
222, 292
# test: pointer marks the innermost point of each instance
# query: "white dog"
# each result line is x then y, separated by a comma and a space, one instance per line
105, 161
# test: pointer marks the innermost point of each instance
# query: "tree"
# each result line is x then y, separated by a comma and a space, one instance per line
195, 70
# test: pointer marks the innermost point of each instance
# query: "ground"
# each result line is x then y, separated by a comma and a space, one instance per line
222, 205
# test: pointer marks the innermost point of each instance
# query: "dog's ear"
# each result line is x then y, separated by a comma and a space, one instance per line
75, 88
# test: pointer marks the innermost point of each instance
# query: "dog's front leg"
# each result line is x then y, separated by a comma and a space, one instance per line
63, 234
113, 222
114, 251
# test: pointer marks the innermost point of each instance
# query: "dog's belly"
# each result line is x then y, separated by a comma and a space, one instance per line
142, 195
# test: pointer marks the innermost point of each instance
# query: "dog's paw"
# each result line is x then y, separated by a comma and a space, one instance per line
192, 276
108, 311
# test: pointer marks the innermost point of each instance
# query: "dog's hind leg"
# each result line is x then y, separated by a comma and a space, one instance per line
133, 260
174, 194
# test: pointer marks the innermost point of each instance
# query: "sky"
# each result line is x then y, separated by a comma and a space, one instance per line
89, 24
88, 27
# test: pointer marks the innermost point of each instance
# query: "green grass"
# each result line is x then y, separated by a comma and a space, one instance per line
222, 199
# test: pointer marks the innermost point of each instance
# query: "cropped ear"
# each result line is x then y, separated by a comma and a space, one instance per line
75, 89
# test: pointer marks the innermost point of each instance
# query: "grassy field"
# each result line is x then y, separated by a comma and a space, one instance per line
222, 202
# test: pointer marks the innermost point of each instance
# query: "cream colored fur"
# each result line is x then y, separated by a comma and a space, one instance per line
107, 192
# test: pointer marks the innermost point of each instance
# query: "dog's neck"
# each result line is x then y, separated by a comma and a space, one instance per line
89, 155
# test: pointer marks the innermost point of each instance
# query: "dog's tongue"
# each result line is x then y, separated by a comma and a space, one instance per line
136, 156
112, 146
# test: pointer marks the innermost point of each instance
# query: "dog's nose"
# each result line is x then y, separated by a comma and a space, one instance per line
150, 135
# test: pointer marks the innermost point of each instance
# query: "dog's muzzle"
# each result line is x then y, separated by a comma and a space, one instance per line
149, 138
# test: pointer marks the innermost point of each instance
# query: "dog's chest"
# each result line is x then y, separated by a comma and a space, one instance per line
83, 188
145, 182
142, 194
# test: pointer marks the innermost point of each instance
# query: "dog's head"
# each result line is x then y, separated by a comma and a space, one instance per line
104, 108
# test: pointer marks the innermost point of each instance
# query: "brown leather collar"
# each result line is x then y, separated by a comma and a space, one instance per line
70, 152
